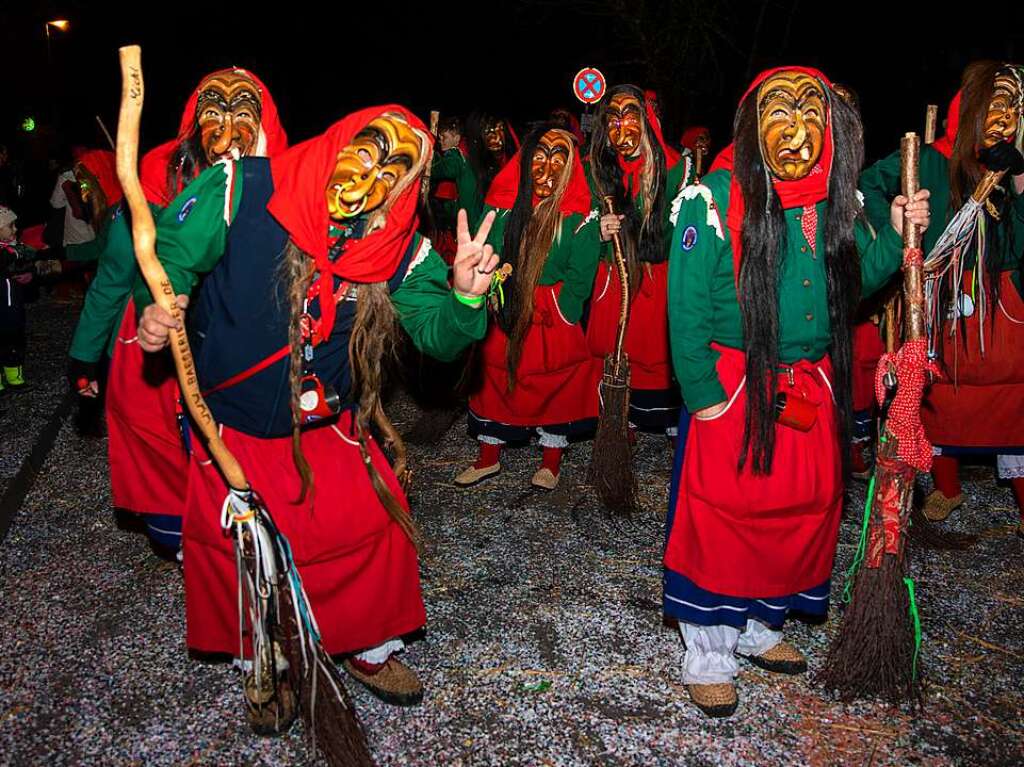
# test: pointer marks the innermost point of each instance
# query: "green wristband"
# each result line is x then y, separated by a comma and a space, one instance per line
473, 302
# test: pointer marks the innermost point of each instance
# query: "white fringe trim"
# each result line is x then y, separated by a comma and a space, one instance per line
692, 192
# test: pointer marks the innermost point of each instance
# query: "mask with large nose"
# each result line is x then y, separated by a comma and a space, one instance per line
624, 120
228, 112
792, 116
550, 162
369, 168
1004, 111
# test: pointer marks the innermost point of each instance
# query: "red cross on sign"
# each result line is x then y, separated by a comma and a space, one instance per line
589, 85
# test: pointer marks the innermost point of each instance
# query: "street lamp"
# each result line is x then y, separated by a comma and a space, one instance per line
63, 25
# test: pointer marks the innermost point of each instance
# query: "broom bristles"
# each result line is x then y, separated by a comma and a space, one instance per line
872, 655
611, 462
327, 712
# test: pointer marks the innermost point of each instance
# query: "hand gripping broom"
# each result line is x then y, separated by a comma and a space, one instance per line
289, 665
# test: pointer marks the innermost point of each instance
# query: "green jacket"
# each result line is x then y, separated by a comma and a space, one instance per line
703, 307
572, 259
108, 294
190, 246
453, 166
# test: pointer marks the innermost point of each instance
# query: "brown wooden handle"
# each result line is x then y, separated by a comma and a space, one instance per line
931, 119
913, 273
144, 241
435, 118
620, 266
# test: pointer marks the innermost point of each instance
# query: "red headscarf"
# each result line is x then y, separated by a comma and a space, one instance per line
505, 187
153, 167
809, 190
691, 134
944, 145
299, 204
102, 164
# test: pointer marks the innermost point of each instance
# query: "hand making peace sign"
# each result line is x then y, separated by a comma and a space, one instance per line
475, 261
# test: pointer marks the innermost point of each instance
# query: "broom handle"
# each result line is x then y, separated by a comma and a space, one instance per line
620, 266
913, 272
891, 333
144, 239
931, 120
106, 133
435, 118
987, 185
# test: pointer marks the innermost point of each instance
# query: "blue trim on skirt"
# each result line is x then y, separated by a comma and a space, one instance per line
684, 600
164, 530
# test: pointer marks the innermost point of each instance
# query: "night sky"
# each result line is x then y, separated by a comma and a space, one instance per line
514, 56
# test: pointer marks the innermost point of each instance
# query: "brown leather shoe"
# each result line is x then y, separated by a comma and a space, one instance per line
545, 479
938, 507
395, 683
472, 475
783, 658
715, 700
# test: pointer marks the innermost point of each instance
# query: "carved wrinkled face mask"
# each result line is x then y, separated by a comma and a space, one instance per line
228, 113
550, 162
792, 117
1004, 111
494, 137
624, 120
366, 171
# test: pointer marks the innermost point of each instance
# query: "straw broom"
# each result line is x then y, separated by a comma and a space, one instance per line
611, 462
875, 653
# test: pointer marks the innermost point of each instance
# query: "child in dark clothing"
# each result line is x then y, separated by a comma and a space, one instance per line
16, 272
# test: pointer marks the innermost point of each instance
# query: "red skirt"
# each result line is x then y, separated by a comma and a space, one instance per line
742, 535
358, 567
148, 463
867, 350
647, 343
555, 381
980, 403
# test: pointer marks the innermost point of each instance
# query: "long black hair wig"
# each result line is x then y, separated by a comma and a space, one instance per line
764, 243
643, 233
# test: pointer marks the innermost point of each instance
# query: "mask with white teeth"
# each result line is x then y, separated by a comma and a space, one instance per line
228, 113
792, 115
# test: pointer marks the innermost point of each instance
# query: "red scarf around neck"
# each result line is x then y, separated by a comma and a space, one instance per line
299, 204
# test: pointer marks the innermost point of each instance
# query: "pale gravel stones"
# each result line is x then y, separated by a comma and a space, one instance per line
522, 589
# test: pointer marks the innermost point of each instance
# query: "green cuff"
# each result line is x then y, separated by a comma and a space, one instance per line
890, 238
467, 320
704, 394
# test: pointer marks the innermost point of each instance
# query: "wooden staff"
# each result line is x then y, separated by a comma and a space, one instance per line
144, 238
435, 117
106, 133
620, 267
698, 163
913, 274
931, 119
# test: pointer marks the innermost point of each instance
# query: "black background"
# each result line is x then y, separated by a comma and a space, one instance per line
512, 56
